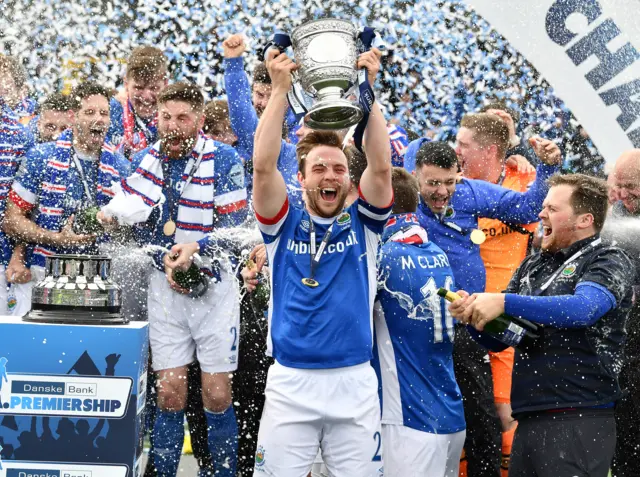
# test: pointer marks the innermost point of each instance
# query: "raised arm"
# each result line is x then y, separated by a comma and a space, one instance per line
269, 189
504, 204
375, 184
242, 114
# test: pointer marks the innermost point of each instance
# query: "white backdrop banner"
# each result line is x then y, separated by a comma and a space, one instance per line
589, 51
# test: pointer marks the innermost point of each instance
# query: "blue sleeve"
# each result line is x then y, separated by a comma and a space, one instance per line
374, 218
292, 126
28, 138
231, 194
28, 181
210, 244
587, 305
136, 159
158, 259
497, 202
123, 166
116, 129
244, 120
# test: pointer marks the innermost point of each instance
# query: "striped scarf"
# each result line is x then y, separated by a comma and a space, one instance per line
196, 206
56, 181
134, 140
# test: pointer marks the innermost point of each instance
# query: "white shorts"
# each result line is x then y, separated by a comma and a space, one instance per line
335, 410
412, 453
181, 327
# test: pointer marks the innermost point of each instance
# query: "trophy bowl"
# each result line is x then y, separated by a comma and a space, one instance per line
76, 289
326, 53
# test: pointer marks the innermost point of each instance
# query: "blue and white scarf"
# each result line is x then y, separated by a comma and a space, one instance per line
196, 206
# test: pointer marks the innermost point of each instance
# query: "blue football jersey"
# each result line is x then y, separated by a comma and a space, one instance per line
329, 326
414, 333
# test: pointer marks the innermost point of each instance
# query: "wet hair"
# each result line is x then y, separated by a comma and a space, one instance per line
145, 64
589, 196
185, 92
488, 130
406, 191
12, 66
312, 140
57, 102
261, 74
502, 106
436, 153
357, 161
215, 112
86, 89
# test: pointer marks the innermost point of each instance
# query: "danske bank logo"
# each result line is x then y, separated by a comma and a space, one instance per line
91, 396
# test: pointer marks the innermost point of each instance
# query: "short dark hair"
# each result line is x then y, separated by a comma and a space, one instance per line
146, 63
261, 74
589, 196
502, 106
312, 140
185, 92
436, 153
86, 89
488, 130
215, 112
406, 191
12, 66
357, 161
57, 102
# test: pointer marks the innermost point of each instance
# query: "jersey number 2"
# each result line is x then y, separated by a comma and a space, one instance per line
378, 438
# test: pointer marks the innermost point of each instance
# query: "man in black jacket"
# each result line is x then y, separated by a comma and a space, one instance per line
565, 384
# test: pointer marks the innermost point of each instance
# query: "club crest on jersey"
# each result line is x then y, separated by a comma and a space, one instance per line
569, 270
304, 225
260, 456
449, 213
344, 219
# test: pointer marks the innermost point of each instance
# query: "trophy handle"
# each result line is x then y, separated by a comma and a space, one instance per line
295, 78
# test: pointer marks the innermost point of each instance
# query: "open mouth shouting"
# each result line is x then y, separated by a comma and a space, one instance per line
97, 132
439, 201
329, 194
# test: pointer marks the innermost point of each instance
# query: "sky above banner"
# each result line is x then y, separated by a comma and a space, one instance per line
589, 51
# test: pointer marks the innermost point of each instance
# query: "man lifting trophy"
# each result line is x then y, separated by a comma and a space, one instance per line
326, 52
322, 392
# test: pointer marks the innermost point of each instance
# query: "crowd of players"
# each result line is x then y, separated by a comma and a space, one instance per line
352, 244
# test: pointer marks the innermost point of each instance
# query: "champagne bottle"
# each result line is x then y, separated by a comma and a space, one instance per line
192, 279
510, 330
259, 298
86, 221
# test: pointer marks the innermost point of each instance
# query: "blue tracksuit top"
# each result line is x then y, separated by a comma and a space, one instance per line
244, 122
474, 199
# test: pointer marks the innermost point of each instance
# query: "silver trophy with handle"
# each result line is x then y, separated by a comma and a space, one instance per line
326, 51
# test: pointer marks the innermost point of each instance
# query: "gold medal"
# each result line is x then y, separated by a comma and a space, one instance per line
169, 228
478, 237
310, 282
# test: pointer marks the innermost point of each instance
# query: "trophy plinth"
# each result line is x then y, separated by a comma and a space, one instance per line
77, 289
326, 53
